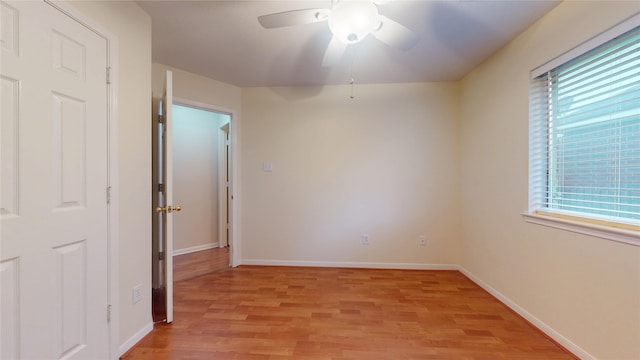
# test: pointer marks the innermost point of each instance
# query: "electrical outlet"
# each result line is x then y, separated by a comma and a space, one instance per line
136, 296
422, 241
365, 239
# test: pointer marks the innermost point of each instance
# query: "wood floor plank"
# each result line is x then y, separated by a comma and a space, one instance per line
253, 312
188, 266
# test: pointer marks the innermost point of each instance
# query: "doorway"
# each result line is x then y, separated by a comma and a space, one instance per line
200, 183
197, 157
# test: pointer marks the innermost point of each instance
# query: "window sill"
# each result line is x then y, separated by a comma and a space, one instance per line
630, 237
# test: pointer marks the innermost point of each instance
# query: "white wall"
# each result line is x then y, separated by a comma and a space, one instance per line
384, 163
195, 177
132, 26
585, 288
197, 88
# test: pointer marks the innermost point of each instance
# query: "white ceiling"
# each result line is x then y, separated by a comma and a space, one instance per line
224, 41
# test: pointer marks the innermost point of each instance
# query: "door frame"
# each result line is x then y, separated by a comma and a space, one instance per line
112, 281
234, 166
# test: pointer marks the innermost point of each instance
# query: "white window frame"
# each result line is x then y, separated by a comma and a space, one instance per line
593, 227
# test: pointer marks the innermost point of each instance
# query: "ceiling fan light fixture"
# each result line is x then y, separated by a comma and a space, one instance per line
352, 21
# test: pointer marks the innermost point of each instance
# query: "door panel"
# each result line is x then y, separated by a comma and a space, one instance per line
9, 147
10, 307
54, 180
69, 139
167, 176
162, 233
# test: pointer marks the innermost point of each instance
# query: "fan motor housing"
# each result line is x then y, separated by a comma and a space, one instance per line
351, 22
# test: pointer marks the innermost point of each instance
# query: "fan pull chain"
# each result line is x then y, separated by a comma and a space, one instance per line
351, 83
353, 60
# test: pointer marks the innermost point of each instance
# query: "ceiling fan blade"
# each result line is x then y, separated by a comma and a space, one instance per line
395, 34
334, 52
293, 17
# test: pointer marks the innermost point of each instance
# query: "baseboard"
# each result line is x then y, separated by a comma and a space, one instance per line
360, 265
195, 248
548, 330
127, 345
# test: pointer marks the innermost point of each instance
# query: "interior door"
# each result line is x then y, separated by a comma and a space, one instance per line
167, 180
224, 181
54, 193
164, 208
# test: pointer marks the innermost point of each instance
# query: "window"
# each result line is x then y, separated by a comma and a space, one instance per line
584, 157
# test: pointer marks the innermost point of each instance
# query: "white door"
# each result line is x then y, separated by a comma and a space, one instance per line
224, 183
166, 207
53, 199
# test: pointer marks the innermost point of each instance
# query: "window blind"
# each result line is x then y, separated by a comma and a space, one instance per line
585, 134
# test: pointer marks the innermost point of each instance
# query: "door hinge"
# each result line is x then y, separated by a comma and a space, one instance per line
108, 194
161, 188
161, 256
109, 313
108, 75
160, 119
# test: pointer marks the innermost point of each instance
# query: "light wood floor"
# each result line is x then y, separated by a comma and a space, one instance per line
254, 312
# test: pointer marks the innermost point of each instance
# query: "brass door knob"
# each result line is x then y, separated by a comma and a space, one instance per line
169, 209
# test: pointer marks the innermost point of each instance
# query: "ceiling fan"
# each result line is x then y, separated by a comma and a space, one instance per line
350, 21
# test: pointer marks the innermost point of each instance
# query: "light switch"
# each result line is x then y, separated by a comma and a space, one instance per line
267, 166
